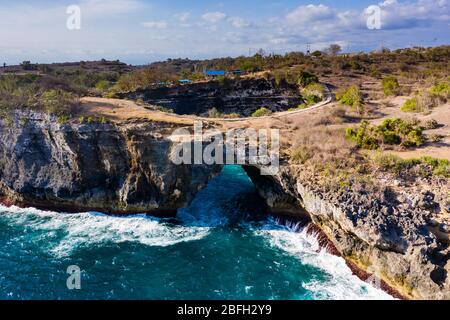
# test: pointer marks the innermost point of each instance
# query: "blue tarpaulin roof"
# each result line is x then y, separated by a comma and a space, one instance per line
215, 72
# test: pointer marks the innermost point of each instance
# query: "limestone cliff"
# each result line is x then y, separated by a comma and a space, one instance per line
103, 167
391, 236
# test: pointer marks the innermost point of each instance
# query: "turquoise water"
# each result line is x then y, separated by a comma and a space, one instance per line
211, 251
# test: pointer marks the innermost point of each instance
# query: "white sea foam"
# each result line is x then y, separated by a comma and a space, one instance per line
341, 283
90, 228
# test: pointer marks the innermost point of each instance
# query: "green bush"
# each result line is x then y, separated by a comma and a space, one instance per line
440, 167
261, 112
231, 115
305, 79
412, 105
427, 165
103, 85
364, 136
441, 88
62, 119
390, 132
314, 89
312, 99
352, 97
59, 102
391, 86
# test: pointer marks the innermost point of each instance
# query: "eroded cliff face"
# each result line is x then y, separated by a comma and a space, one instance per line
389, 236
232, 96
105, 167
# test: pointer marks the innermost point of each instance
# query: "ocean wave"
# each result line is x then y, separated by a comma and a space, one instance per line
91, 228
341, 283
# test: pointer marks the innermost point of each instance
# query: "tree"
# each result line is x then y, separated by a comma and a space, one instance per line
261, 52
334, 49
26, 65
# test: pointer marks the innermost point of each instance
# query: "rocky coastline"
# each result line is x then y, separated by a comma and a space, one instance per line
387, 236
126, 168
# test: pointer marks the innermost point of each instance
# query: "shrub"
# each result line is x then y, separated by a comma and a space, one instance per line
411, 105
427, 165
231, 115
431, 124
280, 77
214, 113
63, 119
351, 97
364, 136
312, 99
301, 155
390, 132
261, 112
306, 78
103, 85
387, 161
314, 89
441, 167
59, 102
407, 133
441, 89
391, 86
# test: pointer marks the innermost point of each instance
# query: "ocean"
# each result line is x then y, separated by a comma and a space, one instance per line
212, 250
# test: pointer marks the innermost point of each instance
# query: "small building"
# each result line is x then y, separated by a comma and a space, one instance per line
185, 81
214, 73
236, 72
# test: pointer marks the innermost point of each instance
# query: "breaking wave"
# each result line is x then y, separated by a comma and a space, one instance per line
92, 228
339, 284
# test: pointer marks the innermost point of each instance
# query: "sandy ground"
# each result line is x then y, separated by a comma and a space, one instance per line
441, 114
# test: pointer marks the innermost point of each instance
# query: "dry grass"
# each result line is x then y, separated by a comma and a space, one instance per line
320, 140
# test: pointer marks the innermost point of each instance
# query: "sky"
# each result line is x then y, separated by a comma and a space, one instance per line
143, 31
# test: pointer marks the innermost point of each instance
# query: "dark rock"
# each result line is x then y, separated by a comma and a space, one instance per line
95, 167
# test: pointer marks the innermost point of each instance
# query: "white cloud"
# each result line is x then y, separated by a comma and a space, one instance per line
323, 20
183, 17
109, 7
238, 22
155, 24
396, 15
310, 13
214, 17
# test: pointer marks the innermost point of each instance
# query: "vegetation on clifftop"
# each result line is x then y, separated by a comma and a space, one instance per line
261, 112
425, 166
405, 133
34, 92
